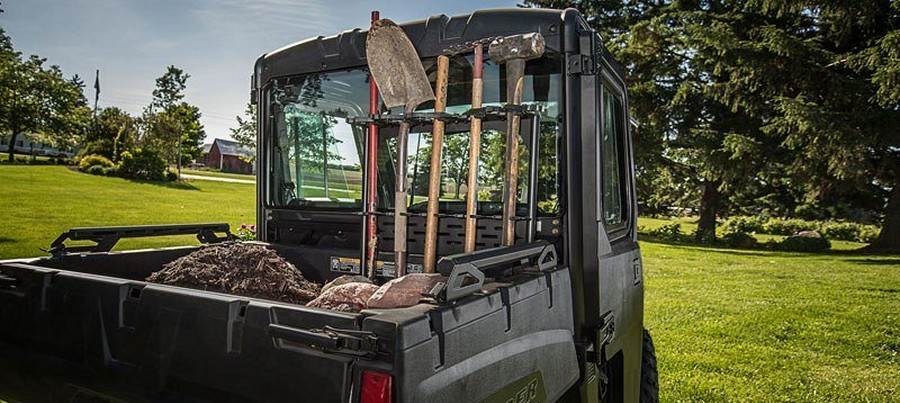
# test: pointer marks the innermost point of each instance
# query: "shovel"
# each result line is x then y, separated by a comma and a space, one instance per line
402, 81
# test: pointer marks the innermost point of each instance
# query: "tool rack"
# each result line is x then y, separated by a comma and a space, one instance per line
528, 113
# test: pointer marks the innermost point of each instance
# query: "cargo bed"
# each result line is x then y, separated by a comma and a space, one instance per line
87, 326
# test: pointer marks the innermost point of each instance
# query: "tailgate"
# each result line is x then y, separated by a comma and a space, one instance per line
68, 335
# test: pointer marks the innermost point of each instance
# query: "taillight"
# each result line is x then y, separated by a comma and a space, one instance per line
377, 387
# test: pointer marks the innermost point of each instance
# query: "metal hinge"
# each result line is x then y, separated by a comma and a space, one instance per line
581, 64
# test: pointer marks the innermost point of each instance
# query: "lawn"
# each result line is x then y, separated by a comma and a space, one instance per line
735, 325
41, 202
729, 325
218, 174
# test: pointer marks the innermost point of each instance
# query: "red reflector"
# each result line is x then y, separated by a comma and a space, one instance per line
377, 387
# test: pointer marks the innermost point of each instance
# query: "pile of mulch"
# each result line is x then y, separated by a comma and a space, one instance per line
241, 269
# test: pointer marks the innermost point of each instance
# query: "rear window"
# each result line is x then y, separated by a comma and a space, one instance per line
316, 153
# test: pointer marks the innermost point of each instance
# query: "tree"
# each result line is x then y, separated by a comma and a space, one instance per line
456, 161
114, 131
171, 126
244, 131
169, 88
37, 99
882, 62
778, 106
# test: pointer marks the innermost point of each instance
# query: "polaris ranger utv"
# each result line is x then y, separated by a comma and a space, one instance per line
556, 316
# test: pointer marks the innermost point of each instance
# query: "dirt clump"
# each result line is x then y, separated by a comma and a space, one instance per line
241, 269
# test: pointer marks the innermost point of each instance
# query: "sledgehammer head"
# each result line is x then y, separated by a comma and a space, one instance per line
524, 47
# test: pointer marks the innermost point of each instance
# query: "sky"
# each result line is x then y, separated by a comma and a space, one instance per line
215, 41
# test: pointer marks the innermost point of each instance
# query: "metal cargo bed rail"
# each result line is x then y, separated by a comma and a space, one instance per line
536, 257
107, 237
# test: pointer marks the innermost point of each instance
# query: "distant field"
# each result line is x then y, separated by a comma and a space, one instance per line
729, 325
41, 202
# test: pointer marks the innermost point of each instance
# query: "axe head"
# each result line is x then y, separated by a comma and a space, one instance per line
523, 47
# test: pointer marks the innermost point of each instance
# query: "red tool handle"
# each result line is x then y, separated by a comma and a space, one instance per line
372, 173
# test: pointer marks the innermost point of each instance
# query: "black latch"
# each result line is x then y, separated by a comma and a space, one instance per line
349, 342
606, 330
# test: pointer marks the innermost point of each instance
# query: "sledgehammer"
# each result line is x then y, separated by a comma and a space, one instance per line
514, 51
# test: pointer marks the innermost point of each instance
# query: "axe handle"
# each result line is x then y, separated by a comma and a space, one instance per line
434, 180
474, 150
515, 73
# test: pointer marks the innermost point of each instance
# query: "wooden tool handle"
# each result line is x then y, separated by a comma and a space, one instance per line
434, 180
515, 70
400, 199
474, 150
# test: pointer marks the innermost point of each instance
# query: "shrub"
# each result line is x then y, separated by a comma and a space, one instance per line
94, 160
744, 224
142, 164
804, 243
171, 175
738, 239
791, 226
667, 232
869, 233
849, 231
97, 170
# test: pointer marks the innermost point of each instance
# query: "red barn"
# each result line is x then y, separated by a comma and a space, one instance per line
230, 156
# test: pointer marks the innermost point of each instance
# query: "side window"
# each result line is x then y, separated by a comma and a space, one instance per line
612, 136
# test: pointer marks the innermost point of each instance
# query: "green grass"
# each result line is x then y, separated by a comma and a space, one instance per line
734, 325
41, 202
217, 174
729, 325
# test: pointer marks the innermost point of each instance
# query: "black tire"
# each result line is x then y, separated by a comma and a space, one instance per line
649, 374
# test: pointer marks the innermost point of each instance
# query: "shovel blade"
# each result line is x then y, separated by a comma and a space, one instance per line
394, 63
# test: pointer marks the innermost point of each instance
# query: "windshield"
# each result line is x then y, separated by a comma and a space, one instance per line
315, 152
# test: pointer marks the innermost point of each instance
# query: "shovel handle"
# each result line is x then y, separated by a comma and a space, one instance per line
434, 180
400, 219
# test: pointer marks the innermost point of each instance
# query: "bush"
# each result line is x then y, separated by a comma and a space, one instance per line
744, 224
804, 243
171, 175
790, 226
97, 170
92, 160
869, 233
142, 164
667, 232
738, 239
849, 231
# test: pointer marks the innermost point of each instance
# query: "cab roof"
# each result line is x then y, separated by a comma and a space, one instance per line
431, 37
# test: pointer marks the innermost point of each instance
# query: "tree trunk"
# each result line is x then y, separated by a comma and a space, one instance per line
709, 208
889, 238
12, 146
459, 183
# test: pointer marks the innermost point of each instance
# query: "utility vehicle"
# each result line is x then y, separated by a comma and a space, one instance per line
558, 316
